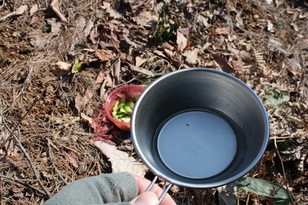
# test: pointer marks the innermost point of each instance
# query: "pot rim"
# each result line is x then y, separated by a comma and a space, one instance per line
179, 182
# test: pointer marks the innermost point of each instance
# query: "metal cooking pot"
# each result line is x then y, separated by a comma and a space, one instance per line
199, 128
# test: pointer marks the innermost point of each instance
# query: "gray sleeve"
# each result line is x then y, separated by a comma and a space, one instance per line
115, 189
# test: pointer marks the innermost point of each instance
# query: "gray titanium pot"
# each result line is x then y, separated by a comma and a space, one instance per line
199, 128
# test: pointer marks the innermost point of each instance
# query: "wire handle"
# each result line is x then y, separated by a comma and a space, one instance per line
165, 190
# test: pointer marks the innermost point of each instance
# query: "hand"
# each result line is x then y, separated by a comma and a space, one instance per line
150, 197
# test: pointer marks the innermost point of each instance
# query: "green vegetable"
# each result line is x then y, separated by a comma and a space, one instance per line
123, 109
77, 66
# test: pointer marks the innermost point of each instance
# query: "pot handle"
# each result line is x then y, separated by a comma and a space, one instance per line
166, 189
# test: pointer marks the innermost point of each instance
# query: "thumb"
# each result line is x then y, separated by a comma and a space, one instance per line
147, 198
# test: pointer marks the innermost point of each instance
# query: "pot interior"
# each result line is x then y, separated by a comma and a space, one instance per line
199, 128
198, 138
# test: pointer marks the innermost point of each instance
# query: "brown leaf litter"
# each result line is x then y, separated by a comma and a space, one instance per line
47, 143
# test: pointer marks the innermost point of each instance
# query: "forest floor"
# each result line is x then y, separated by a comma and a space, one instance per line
60, 59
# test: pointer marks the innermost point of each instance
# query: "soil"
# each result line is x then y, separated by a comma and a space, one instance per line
59, 61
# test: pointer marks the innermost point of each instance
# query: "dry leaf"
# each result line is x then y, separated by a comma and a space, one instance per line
108, 79
33, 9
166, 45
146, 19
222, 62
239, 19
141, 70
112, 13
104, 55
116, 70
169, 53
222, 31
244, 55
269, 25
121, 161
55, 7
231, 37
108, 38
56, 28
80, 23
88, 28
37, 40
12, 151
34, 20
191, 56
238, 66
61, 68
98, 81
203, 21
21, 10
181, 41
93, 37
18, 12
73, 161
295, 27
18, 191
269, 1
81, 102
139, 61
86, 118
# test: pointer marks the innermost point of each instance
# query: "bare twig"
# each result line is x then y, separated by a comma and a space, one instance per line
31, 164
53, 164
12, 135
22, 183
15, 127
18, 180
283, 171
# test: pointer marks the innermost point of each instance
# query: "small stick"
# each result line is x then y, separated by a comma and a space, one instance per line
15, 127
31, 164
18, 180
283, 171
24, 184
12, 135
54, 166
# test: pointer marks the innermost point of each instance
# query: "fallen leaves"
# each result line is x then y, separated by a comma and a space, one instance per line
82, 101
87, 29
191, 56
55, 7
103, 129
181, 40
18, 191
20, 10
116, 69
37, 40
120, 160
61, 68
33, 9
222, 31
104, 55
141, 70
223, 63
113, 43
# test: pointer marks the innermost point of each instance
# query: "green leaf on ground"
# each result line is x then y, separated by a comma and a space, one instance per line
77, 66
277, 193
275, 98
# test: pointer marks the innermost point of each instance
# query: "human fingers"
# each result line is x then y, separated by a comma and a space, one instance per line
143, 184
146, 198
